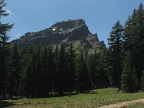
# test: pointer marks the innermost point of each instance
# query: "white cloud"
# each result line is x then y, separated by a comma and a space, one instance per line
8, 12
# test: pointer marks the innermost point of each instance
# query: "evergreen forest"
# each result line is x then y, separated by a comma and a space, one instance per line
46, 71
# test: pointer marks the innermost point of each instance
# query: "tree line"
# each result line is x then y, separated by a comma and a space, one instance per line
50, 71
126, 53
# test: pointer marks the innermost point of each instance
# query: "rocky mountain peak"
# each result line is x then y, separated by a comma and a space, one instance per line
68, 24
66, 31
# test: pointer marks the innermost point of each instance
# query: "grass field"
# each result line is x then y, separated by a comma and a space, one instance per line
99, 98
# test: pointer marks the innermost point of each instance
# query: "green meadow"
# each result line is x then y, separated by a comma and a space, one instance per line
94, 99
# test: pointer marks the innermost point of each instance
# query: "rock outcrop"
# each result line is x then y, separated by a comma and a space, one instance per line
67, 31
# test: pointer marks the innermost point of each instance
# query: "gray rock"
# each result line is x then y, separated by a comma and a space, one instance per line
66, 31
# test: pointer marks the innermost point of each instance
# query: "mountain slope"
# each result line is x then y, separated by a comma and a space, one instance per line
67, 31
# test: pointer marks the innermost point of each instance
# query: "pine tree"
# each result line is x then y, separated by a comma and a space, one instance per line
71, 68
55, 87
25, 57
129, 32
115, 53
128, 80
37, 73
44, 67
133, 41
51, 70
61, 74
139, 57
83, 81
4, 28
92, 67
34, 80
28, 69
102, 68
28, 81
14, 72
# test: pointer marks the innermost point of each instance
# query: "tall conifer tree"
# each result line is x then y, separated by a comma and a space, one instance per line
83, 82
71, 68
14, 72
51, 70
134, 41
4, 28
128, 78
115, 53
61, 74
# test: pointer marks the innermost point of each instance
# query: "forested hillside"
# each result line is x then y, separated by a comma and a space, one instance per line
72, 63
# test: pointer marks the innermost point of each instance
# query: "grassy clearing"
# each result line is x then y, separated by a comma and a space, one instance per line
99, 98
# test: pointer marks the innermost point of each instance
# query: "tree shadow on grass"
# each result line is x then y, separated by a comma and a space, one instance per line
4, 104
7, 102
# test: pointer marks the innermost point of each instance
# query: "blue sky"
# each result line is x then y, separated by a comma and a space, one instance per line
36, 15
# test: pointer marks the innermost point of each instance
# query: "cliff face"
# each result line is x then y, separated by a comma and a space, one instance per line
67, 31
